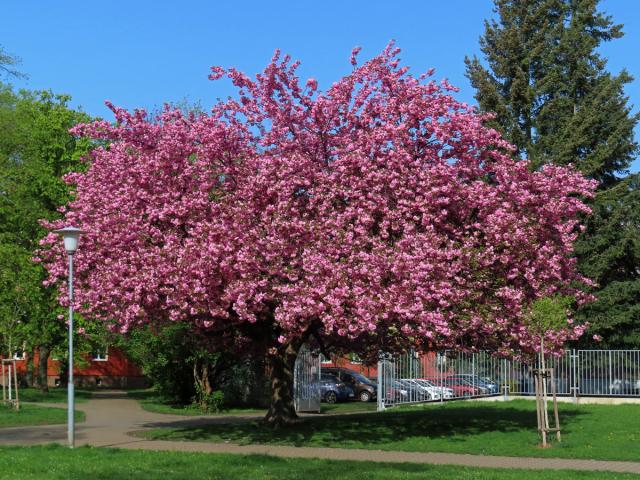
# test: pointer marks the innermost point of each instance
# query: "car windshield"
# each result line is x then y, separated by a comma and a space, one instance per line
457, 381
361, 378
424, 383
417, 383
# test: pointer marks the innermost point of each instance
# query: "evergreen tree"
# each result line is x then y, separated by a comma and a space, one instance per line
556, 102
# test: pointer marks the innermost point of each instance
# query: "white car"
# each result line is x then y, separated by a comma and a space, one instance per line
445, 392
435, 393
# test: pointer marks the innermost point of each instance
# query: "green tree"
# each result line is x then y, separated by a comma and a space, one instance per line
185, 367
36, 150
555, 101
20, 296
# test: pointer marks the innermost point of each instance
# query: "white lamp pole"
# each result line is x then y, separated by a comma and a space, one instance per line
71, 235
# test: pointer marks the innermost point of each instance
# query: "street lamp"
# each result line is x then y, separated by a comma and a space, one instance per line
71, 235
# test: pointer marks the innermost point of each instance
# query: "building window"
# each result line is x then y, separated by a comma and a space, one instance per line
353, 358
325, 360
100, 356
18, 355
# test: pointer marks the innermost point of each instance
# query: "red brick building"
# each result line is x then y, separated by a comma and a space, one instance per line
428, 364
110, 369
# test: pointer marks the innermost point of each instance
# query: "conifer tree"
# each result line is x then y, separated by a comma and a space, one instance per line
556, 102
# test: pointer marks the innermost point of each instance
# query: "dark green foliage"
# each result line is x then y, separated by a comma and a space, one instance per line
184, 369
165, 355
212, 402
556, 102
612, 244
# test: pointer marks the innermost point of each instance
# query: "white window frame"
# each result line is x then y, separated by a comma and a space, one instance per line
19, 356
100, 356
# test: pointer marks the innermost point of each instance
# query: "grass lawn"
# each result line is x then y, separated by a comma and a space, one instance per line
55, 395
349, 407
59, 463
610, 432
152, 402
34, 415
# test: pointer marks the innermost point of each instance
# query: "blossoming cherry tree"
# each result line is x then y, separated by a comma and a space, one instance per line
380, 214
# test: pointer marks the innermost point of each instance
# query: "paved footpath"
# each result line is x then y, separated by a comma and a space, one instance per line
111, 416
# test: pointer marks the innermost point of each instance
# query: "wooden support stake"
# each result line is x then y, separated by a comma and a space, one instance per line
555, 407
15, 385
544, 377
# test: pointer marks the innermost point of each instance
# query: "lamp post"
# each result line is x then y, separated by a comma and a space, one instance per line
70, 235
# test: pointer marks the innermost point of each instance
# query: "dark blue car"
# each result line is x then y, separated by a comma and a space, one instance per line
332, 390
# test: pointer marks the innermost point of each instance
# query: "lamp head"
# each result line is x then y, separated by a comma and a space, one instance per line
71, 235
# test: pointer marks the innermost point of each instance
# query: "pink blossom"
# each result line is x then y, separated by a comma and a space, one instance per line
354, 55
312, 83
360, 216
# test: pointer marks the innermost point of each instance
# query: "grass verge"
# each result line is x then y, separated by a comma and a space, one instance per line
55, 395
607, 432
153, 402
59, 463
34, 415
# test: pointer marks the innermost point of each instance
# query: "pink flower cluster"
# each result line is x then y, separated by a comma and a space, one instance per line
379, 214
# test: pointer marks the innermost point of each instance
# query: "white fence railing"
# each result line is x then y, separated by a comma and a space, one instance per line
306, 381
438, 376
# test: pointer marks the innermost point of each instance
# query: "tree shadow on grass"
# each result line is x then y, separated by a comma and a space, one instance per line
453, 423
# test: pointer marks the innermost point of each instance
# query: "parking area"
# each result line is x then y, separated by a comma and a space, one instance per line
448, 375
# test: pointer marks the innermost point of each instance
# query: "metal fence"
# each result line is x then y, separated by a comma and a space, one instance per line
440, 376
306, 381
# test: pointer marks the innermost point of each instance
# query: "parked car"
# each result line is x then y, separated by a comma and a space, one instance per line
463, 382
399, 391
416, 392
476, 381
594, 386
444, 392
365, 390
460, 387
395, 393
333, 390
431, 393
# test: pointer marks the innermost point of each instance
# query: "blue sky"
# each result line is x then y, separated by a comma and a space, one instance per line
141, 53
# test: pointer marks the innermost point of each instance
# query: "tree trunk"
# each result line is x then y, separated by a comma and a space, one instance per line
282, 410
43, 360
201, 378
543, 364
